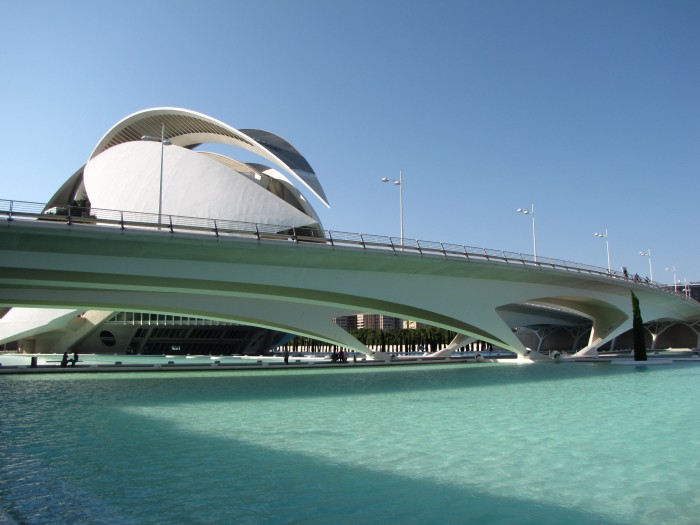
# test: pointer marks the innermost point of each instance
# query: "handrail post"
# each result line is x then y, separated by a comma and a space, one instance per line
257, 232
9, 217
362, 241
216, 229
70, 220
170, 219
466, 253
294, 235
391, 243
330, 237
444, 251
121, 213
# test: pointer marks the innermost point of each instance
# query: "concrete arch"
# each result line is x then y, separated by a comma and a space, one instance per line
609, 319
680, 333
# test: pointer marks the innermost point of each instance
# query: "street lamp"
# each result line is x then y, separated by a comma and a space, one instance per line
673, 269
607, 245
398, 183
647, 253
163, 143
531, 212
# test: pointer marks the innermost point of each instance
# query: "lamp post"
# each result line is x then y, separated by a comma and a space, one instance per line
163, 143
647, 253
673, 269
607, 246
531, 212
398, 183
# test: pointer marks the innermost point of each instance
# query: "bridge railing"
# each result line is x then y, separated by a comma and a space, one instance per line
77, 215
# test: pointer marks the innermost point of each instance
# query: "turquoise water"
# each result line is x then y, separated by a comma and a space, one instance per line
467, 443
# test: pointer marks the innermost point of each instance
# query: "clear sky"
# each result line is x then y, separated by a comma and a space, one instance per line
590, 110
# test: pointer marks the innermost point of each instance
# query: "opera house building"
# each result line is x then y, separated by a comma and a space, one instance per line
156, 161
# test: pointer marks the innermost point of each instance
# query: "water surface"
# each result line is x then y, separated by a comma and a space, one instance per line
462, 443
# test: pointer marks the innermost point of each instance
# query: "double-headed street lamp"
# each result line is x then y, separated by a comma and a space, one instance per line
163, 143
531, 213
673, 269
398, 183
647, 253
607, 246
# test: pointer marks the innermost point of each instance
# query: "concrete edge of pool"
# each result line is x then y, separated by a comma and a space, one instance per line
118, 366
220, 366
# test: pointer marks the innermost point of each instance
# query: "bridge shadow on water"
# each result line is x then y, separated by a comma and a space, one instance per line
151, 472
274, 487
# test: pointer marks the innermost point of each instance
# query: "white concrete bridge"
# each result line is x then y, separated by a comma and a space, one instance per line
256, 275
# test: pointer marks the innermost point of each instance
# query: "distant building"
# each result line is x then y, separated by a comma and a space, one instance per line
694, 290
414, 325
378, 322
346, 322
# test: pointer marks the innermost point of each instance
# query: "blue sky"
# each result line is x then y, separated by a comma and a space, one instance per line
588, 109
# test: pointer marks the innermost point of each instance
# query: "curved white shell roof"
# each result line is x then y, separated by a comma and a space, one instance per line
126, 177
189, 129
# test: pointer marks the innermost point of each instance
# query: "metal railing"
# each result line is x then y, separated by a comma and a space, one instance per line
76, 215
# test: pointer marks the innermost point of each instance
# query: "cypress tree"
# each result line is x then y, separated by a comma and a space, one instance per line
640, 346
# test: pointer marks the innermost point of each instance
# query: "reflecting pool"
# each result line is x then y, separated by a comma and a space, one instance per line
462, 443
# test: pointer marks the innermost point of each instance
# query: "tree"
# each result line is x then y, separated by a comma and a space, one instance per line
640, 346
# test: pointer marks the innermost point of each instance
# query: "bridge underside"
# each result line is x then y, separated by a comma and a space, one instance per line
298, 288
